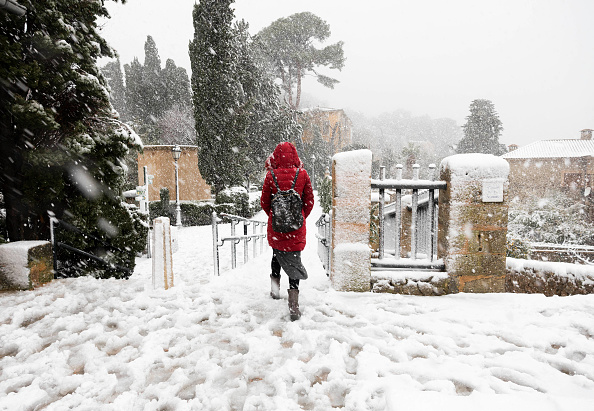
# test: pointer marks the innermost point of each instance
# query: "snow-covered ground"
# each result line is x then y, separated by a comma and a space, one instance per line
223, 344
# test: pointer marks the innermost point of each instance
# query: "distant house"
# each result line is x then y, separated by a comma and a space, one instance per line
333, 125
160, 164
552, 165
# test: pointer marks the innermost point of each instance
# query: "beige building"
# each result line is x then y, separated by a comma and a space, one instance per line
552, 165
333, 125
160, 164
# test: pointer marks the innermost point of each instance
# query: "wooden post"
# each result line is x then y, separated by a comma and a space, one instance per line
162, 255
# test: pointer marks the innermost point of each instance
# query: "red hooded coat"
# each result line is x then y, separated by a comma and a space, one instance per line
285, 162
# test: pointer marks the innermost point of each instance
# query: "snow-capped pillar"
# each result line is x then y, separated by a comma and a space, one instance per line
25, 265
351, 201
473, 221
162, 253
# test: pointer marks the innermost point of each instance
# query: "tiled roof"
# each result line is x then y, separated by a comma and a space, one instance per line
554, 149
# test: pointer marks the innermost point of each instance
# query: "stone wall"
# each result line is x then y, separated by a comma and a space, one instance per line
548, 278
427, 283
351, 201
25, 265
473, 221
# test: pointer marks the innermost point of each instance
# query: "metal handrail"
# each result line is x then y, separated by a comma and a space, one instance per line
236, 239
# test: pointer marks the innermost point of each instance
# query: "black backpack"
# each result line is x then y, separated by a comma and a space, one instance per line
286, 208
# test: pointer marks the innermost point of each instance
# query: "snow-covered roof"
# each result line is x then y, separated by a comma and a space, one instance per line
554, 149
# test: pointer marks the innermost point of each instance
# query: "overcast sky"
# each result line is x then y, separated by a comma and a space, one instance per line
534, 59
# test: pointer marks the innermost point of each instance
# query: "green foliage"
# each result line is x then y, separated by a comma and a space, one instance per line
374, 226
61, 147
114, 232
192, 213
517, 248
238, 197
216, 95
482, 130
150, 92
289, 43
255, 206
232, 201
325, 194
117, 93
239, 119
556, 219
165, 198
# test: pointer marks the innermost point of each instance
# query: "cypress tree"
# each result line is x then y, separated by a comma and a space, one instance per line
117, 90
216, 94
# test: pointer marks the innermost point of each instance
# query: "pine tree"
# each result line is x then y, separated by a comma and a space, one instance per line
60, 145
289, 44
482, 130
216, 94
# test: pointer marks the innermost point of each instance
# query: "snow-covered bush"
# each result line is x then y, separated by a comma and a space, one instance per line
237, 196
516, 248
556, 219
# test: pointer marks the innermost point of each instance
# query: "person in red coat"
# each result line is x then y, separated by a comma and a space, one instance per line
287, 247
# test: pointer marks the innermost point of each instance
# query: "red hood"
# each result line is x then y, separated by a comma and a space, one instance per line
285, 156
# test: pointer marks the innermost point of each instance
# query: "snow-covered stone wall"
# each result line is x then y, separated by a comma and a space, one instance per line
548, 278
25, 264
351, 202
473, 221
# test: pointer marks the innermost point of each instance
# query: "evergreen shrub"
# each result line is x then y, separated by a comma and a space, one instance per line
555, 219
325, 193
112, 230
238, 197
516, 248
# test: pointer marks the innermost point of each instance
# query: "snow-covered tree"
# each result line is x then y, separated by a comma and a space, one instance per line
152, 91
177, 86
217, 94
176, 126
289, 44
239, 118
61, 148
556, 219
268, 121
482, 130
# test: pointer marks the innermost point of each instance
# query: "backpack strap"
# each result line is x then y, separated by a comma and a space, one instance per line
276, 182
295, 180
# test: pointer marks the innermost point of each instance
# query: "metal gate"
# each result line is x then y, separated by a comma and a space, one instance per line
422, 204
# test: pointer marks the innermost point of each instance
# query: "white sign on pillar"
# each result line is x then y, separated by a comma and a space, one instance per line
161, 254
492, 191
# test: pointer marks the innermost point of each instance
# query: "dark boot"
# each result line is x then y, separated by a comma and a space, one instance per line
275, 287
294, 304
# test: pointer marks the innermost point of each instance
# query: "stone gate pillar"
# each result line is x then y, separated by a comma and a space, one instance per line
473, 221
351, 201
